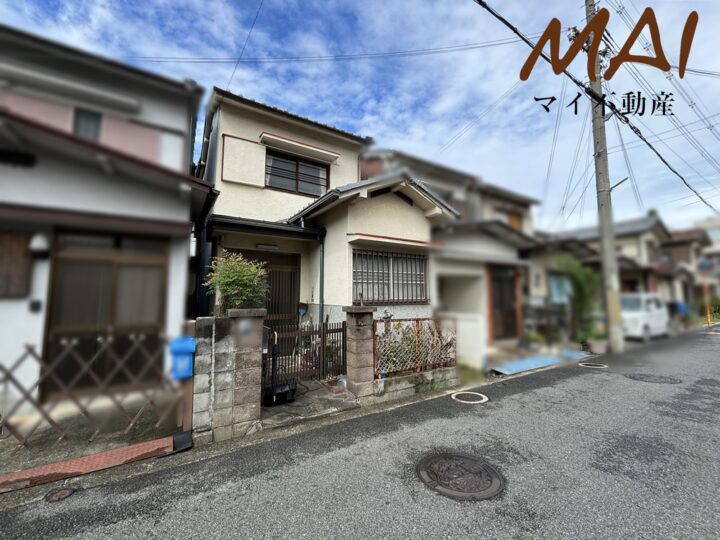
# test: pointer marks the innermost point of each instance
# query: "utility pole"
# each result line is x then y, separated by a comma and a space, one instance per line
611, 281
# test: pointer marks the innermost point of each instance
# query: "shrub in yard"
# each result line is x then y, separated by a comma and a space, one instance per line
241, 283
586, 289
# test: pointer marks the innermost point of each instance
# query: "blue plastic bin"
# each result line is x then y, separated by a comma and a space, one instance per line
182, 350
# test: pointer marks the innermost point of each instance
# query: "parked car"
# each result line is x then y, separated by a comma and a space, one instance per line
644, 315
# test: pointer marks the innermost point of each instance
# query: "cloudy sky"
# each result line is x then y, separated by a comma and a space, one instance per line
463, 108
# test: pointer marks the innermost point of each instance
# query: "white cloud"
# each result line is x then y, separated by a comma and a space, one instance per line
415, 104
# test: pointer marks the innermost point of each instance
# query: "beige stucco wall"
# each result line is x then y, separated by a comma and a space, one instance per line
240, 164
388, 215
338, 260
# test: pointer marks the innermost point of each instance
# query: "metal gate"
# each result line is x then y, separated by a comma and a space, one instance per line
306, 352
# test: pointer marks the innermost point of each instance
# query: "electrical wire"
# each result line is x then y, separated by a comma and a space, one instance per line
469, 125
330, 58
599, 100
626, 158
548, 173
242, 51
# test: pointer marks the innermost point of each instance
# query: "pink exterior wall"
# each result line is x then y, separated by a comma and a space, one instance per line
134, 139
53, 114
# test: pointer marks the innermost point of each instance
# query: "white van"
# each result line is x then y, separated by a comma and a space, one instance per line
644, 315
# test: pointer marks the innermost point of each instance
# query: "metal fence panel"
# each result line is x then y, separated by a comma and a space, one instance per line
407, 345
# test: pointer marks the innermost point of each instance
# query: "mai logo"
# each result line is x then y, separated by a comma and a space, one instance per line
596, 26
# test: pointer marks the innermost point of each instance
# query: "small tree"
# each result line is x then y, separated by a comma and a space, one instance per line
586, 288
241, 283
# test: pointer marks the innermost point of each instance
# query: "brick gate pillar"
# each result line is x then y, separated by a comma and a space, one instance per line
228, 375
359, 347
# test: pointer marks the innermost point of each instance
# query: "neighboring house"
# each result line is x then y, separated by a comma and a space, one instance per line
96, 207
639, 244
478, 266
712, 252
474, 198
684, 251
548, 283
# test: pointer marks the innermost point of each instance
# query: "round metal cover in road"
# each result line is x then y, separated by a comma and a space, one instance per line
59, 494
475, 397
657, 379
460, 476
592, 365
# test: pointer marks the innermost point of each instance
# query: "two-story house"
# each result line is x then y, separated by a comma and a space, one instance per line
291, 196
641, 258
712, 252
682, 252
479, 270
96, 205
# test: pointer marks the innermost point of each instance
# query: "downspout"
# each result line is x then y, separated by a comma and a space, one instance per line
322, 278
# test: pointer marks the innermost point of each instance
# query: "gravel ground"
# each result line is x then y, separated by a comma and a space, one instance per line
586, 454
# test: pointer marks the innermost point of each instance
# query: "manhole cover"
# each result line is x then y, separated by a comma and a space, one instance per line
592, 365
469, 397
657, 379
460, 477
59, 494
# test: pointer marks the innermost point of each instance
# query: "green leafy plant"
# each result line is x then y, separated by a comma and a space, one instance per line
241, 283
586, 288
714, 308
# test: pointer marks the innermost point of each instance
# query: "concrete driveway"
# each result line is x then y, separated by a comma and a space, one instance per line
586, 454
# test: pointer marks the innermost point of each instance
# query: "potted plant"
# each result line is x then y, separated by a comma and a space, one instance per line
241, 284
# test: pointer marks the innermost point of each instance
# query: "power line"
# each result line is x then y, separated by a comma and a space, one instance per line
332, 57
242, 51
657, 138
576, 159
468, 126
558, 120
599, 100
626, 157
622, 12
701, 72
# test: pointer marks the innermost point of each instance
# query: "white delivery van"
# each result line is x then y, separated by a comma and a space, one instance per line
644, 315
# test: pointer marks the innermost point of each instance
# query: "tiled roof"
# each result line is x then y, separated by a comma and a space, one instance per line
688, 235
270, 108
622, 228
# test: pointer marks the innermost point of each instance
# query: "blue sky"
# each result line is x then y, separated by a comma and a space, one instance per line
421, 103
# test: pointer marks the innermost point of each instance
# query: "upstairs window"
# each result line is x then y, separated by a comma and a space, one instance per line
510, 217
382, 277
297, 175
86, 124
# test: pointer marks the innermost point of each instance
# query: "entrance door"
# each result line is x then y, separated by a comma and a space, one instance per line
504, 304
282, 304
283, 277
102, 286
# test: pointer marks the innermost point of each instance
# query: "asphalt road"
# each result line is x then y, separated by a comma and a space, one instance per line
586, 454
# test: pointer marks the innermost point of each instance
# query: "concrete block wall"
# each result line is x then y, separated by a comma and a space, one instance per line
227, 379
359, 349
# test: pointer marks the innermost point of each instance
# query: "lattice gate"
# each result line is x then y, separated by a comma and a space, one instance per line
131, 399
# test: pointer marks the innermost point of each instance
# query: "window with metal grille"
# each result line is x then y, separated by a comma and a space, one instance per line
289, 173
382, 277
